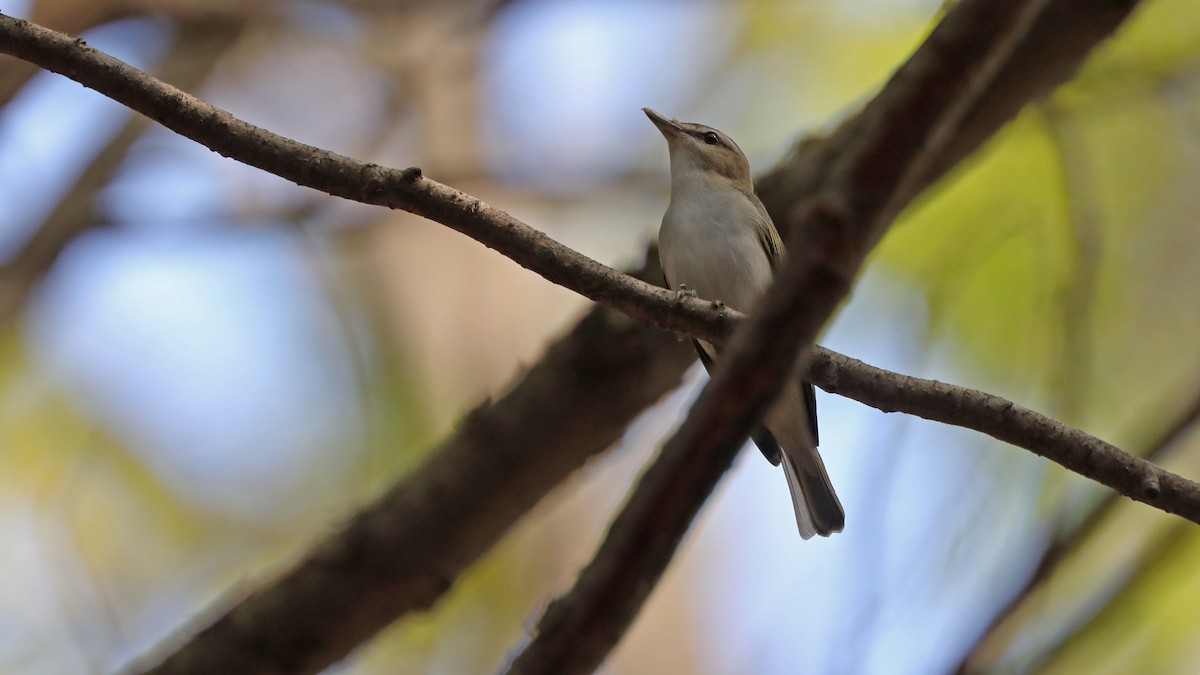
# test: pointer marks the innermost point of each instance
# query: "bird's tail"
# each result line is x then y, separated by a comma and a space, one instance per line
791, 421
818, 510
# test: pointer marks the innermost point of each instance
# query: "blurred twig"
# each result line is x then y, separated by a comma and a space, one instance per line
69, 16
1078, 296
989, 648
79, 16
195, 49
1166, 549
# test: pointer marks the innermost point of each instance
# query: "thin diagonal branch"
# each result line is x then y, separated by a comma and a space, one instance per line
363, 182
1130, 475
1056, 49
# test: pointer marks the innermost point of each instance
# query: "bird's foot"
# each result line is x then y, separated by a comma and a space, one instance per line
684, 292
680, 293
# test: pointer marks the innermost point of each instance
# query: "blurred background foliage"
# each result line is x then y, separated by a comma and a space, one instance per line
205, 368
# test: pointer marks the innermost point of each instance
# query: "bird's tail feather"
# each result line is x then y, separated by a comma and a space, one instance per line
818, 510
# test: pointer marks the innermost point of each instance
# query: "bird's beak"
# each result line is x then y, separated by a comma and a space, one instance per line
668, 128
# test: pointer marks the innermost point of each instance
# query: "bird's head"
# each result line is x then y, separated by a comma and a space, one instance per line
702, 150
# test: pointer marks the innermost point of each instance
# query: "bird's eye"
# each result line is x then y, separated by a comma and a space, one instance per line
711, 138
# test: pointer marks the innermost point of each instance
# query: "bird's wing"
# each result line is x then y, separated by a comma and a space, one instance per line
773, 246
767, 234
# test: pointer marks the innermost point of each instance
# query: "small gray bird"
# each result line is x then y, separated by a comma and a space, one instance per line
718, 242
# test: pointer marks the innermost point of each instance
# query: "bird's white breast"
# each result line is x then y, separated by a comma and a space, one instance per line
708, 242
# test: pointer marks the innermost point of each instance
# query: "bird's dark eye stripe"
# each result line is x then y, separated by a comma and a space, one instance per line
711, 137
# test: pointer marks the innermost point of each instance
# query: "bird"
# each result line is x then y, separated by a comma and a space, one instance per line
718, 242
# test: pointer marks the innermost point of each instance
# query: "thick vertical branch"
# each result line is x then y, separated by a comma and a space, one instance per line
1048, 54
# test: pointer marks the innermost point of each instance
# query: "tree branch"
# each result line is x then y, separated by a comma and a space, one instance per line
1086, 455
341, 176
